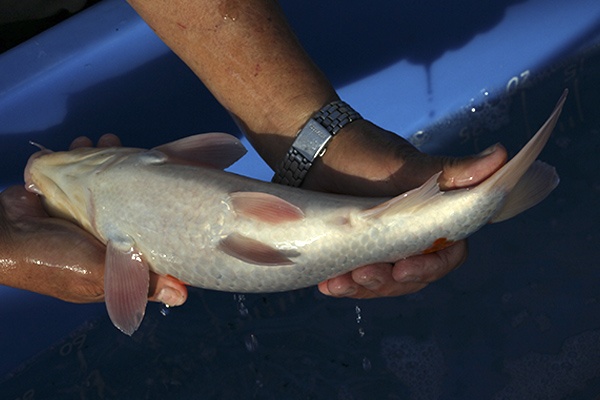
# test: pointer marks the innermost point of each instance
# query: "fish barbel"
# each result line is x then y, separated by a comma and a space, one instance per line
173, 210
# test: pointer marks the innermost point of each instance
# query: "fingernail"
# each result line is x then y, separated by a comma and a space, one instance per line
465, 178
488, 151
170, 297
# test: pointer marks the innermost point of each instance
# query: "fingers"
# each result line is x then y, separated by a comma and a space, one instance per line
404, 277
76, 258
109, 140
81, 141
457, 173
469, 171
167, 290
430, 267
106, 140
17, 202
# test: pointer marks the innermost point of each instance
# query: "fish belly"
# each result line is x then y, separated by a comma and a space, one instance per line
179, 230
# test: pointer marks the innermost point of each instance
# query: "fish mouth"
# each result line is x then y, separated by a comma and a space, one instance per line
29, 184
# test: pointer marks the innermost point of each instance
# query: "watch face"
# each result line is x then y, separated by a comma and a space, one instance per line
311, 140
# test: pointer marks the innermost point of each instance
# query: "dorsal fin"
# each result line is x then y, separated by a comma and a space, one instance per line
218, 150
265, 207
406, 202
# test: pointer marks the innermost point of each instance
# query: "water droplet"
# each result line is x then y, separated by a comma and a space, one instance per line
358, 316
251, 342
165, 310
419, 138
361, 331
240, 300
366, 364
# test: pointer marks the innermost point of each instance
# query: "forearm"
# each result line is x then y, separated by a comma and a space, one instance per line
248, 57
246, 54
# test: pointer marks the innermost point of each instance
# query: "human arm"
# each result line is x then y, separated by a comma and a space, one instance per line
248, 57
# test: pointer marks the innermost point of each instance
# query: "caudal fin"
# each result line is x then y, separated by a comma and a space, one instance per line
527, 181
534, 186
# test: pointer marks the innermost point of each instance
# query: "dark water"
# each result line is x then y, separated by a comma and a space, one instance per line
520, 320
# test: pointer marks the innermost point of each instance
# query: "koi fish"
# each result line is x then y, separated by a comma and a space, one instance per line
174, 210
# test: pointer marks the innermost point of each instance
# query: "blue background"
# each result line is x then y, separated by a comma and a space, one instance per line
519, 320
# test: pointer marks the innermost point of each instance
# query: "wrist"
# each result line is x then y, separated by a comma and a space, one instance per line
274, 130
312, 140
363, 159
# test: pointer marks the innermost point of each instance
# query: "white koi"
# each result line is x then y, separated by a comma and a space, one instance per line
173, 210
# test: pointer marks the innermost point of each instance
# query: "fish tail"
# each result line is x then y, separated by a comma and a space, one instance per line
526, 180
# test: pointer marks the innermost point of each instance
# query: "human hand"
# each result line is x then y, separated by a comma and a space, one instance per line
367, 160
55, 257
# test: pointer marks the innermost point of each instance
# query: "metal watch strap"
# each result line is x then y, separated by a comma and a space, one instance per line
311, 141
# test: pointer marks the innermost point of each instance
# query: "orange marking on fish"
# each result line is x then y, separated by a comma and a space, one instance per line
177, 280
438, 245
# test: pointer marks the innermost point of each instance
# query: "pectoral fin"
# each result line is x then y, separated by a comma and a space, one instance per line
126, 281
254, 252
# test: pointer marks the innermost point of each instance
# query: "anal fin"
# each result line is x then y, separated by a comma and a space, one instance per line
126, 281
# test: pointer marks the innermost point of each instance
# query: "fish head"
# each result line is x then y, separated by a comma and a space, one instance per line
63, 180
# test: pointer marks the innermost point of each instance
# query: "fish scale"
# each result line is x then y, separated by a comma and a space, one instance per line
183, 241
174, 211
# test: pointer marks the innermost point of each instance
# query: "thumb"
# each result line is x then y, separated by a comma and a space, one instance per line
457, 172
469, 171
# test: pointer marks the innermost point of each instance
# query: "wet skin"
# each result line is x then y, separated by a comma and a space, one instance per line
55, 257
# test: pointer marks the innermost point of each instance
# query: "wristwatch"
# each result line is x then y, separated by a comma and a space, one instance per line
311, 141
